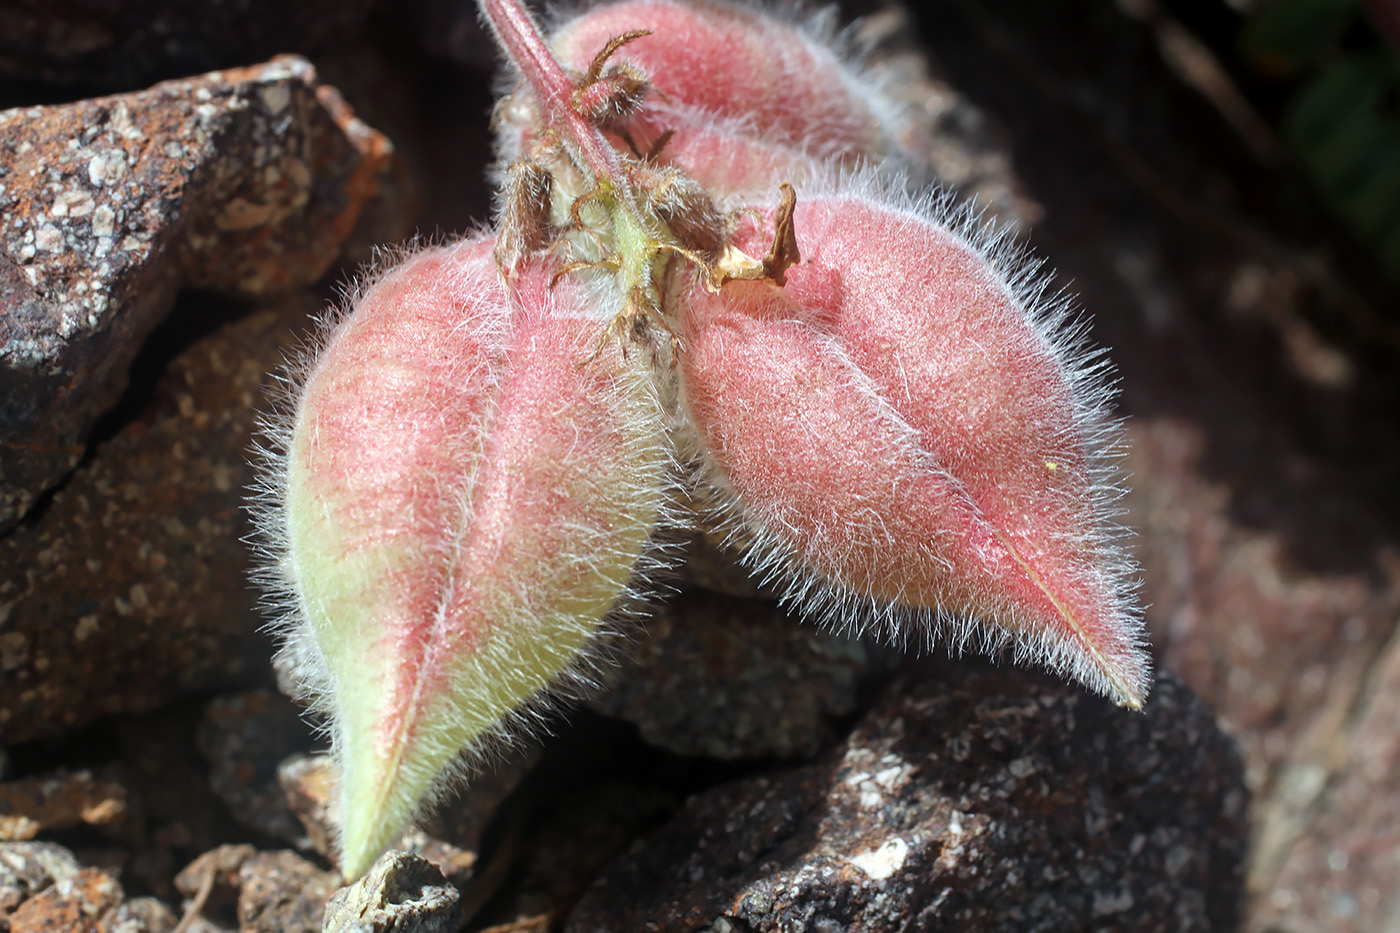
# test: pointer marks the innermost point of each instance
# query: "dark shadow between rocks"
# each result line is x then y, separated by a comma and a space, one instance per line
1269, 343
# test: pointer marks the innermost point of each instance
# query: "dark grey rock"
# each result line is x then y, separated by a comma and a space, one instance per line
979, 800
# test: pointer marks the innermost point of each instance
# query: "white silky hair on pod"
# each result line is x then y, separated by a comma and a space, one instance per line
301, 655
1063, 330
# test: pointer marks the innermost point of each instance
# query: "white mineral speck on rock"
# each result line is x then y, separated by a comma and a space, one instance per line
275, 98
1022, 767
103, 221
87, 625
884, 861
1106, 903
97, 169
121, 122
49, 237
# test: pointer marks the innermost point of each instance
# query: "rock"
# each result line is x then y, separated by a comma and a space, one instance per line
26, 868
133, 43
245, 737
58, 800
735, 678
1339, 873
281, 892
308, 785
138, 915
75, 904
402, 893
133, 589
211, 882
246, 182
973, 800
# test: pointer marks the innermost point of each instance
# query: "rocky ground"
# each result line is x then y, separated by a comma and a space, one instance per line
164, 241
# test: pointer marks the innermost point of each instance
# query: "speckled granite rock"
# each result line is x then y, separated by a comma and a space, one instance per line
133, 589
43, 888
136, 41
979, 800
26, 868
735, 678
402, 893
73, 904
247, 181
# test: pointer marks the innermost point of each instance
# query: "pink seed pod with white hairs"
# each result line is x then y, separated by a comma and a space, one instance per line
910, 436
465, 508
737, 62
741, 95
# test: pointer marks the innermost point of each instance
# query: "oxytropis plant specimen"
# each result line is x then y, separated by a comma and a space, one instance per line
698, 287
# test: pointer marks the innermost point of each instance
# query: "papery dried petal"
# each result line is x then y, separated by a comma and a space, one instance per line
465, 504
907, 428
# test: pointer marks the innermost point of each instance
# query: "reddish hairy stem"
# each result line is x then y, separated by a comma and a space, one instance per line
524, 47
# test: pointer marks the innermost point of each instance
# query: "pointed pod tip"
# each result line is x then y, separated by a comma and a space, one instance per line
1129, 682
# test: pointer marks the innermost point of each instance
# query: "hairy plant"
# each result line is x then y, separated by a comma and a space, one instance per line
692, 282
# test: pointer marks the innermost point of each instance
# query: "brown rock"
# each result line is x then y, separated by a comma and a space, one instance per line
134, 587
308, 784
402, 893
247, 182
212, 882
138, 915
281, 892
58, 800
977, 800
74, 905
734, 678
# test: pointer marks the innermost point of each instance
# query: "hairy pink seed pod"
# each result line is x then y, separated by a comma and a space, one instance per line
464, 505
907, 428
725, 157
786, 82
